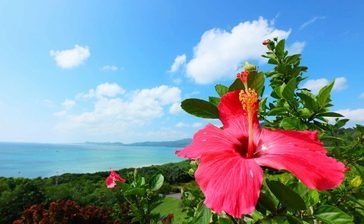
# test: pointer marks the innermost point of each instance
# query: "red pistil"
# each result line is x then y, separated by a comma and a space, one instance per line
243, 76
249, 101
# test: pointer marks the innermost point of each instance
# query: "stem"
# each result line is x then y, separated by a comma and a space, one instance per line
232, 219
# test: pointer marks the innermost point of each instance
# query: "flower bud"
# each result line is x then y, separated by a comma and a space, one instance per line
267, 41
249, 67
356, 182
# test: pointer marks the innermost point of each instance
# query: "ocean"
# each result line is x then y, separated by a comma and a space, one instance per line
44, 160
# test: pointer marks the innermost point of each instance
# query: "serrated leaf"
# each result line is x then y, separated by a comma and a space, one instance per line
324, 94
157, 182
221, 89
214, 100
332, 215
200, 108
286, 196
288, 91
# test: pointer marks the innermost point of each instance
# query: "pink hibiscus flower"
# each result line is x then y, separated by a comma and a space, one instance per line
229, 172
112, 178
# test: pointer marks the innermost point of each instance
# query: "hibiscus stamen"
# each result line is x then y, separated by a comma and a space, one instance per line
249, 101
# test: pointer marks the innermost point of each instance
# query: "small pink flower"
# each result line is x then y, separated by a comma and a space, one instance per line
229, 173
112, 178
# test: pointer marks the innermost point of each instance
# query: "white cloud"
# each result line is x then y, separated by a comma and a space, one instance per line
181, 125
70, 58
340, 83
361, 96
110, 68
311, 21
296, 47
103, 90
356, 115
124, 113
316, 84
175, 108
109, 90
220, 52
179, 61
68, 104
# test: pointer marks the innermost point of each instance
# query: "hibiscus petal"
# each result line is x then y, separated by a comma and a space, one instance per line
302, 155
230, 182
112, 178
208, 139
235, 119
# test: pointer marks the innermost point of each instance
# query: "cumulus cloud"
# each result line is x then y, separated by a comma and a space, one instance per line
103, 90
361, 96
179, 61
356, 115
220, 52
121, 113
316, 84
110, 68
311, 21
70, 58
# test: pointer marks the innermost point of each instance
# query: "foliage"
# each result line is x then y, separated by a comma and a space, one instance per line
284, 199
142, 196
64, 212
18, 194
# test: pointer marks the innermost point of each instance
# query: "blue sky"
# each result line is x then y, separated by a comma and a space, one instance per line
73, 71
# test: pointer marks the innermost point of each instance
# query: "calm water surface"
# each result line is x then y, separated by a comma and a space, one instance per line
34, 160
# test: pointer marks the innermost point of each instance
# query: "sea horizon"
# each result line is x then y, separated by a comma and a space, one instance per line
31, 160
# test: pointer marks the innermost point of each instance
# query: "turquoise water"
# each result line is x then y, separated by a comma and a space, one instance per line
44, 160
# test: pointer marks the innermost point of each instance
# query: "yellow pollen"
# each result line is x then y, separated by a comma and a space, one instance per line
249, 99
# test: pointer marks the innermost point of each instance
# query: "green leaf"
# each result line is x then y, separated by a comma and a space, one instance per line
277, 111
332, 215
288, 91
236, 85
256, 81
290, 123
266, 200
341, 123
202, 214
280, 48
157, 182
286, 196
214, 100
330, 114
221, 89
200, 108
324, 94
308, 99
293, 220
135, 192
